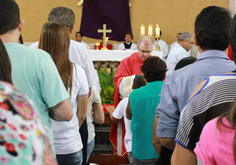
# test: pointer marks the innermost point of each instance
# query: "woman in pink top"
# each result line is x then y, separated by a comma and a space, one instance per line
216, 144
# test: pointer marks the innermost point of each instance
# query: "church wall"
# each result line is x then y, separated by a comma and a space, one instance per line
173, 16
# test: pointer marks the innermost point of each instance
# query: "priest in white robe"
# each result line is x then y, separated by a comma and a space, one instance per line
163, 46
79, 38
173, 44
127, 45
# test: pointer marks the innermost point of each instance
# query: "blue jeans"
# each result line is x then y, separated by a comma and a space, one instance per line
70, 159
90, 146
84, 137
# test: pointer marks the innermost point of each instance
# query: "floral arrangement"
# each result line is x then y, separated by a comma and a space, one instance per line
107, 85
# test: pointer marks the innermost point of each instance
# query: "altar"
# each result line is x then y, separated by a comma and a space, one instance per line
115, 55
112, 58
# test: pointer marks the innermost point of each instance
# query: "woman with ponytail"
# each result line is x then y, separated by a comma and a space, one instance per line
55, 40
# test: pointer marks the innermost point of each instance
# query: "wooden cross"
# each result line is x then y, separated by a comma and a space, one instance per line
104, 31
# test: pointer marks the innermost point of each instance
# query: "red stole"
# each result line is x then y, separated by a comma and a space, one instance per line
128, 67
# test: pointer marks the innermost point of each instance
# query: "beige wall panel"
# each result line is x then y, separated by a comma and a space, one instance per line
173, 16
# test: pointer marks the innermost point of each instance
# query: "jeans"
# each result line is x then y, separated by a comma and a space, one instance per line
84, 137
131, 158
70, 159
90, 146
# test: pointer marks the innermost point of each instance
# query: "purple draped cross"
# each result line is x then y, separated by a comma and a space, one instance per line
114, 13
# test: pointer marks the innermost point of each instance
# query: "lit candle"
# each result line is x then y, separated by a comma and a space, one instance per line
150, 30
97, 44
157, 31
142, 30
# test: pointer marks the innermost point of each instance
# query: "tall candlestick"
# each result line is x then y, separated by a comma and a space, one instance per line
150, 30
157, 30
142, 30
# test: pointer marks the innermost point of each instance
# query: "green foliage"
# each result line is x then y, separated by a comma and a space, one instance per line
107, 85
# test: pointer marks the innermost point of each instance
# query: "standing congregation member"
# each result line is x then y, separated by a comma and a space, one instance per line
185, 61
179, 51
20, 120
220, 131
179, 85
55, 40
33, 71
119, 113
23, 137
166, 153
210, 99
141, 111
78, 54
95, 114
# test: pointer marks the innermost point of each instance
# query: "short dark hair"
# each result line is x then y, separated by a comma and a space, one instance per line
233, 38
154, 69
178, 34
9, 16
128, 33
185, 61
138, 81
63, 15
79, 33
160, 33
212, 28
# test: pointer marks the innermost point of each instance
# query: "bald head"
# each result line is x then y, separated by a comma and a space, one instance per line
146, 40
144, 47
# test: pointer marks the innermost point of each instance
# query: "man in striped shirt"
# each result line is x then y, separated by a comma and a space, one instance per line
179, 85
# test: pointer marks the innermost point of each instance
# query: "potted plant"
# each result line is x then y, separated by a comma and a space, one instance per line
107, 86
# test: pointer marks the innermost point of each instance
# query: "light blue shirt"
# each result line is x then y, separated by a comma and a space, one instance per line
35, 74
179, 85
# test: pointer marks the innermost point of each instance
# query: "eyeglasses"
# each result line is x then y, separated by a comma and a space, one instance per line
190, 42
144, 51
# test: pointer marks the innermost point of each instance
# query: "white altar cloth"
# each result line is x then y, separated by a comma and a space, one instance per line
115, 55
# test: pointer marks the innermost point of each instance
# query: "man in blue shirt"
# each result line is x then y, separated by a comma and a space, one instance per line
179, 85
